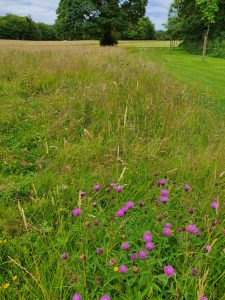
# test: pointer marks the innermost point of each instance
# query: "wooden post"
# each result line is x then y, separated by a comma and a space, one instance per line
205, 44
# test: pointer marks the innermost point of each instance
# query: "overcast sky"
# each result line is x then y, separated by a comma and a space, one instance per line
44, 10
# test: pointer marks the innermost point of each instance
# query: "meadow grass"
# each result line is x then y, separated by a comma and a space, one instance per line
72, 117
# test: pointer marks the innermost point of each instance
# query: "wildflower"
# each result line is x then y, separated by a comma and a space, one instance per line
214, 204
76, 212
168, 225
150, 246
14, 278
192, 229
133, 256
82, 194
203, 298
140, 203
94, 204
223, 232
216, 222
125, 246
164, 199
147, 236
166, 232
64, 256
99, 251
123, 269
124, 209
194, 272
112, 262
162, 182
142, 254
115, 269
105, 297
198, 233
5, 285
96, 187
129, 204
169, 271
187, 188
76, 297
135, 269
107, 190
119, 188
97, 281
112, 185
120, 213
191, 211
164, 192
208, 248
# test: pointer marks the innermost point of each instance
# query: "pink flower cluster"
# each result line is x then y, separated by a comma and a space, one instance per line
121, 212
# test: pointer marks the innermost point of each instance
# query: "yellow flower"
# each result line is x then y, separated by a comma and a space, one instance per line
116, 269
5, 285
14, 278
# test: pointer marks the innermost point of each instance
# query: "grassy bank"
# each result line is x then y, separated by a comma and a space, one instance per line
72, 117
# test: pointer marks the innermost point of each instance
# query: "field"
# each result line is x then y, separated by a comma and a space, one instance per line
114, 123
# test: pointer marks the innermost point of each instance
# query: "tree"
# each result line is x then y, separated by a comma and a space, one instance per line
74, 18
208, 9
104, 19
48, 32
145, 29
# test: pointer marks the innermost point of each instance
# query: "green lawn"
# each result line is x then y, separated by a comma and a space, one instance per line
208, 76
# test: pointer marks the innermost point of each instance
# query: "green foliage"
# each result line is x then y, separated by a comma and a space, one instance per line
189, 21
143, 30
105, 20
14, 27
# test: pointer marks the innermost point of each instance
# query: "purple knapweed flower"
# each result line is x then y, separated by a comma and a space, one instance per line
147, 237
99, 251
168, 225
150, 246
119, 188
64, 256
105, 297
120, 213
133, 256
129, 204
192, 229
76, 297
208, 248
162, 182
94, 204
164, 199
203, 298
96, 187
112, 185
198, 233
169, 271
142, 254
123, 269
76, 212
82, 194
187, 188
159, 218
214, 204
164, 192
166, 232
124, 209
223, 233
125, 246
194, 272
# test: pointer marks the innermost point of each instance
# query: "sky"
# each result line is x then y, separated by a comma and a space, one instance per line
45, 10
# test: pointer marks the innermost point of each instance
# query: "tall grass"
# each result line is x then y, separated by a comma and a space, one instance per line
75, 116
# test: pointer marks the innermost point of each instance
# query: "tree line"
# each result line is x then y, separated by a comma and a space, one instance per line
104, 20
200, 24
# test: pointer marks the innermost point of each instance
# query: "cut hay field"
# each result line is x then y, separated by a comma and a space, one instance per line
92, 141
